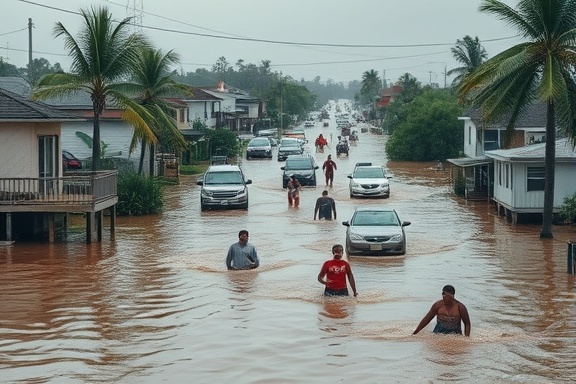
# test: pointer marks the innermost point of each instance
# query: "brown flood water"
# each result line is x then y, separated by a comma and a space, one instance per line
156, 304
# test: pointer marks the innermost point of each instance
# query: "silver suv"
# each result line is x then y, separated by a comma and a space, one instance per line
224, 186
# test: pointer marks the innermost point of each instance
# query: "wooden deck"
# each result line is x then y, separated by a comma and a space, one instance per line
87, 192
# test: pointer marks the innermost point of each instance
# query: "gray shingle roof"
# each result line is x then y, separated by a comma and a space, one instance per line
14, 107
17, 85
536, 152
533, 117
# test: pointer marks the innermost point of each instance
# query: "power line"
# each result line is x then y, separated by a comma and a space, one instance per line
18, 30
281, 42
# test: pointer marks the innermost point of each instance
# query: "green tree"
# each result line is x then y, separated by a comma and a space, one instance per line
371, 87
40, 67
471, 54
540, 69
410, 86
153, 84
430, 131
7, 69
103, 57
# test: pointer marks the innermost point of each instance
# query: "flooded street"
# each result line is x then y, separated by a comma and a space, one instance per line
157, 304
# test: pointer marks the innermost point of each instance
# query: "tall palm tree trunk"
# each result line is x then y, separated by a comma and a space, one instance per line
142, 153
550, 164
96, 142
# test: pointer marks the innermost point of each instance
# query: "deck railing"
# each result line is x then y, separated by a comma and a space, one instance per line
78, 187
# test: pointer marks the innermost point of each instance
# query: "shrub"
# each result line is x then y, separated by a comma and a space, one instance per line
139, 194
568, 209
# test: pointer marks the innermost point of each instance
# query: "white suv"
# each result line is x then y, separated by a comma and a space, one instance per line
224, 186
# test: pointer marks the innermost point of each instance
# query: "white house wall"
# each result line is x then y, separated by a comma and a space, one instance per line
201, 111
470, 138
19, 147
116, 134
518, 198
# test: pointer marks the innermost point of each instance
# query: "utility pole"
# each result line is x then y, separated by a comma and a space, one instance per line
31, 71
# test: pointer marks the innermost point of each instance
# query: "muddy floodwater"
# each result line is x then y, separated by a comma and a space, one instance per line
156, 303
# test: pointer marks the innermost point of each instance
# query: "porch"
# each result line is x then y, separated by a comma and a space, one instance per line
87, 192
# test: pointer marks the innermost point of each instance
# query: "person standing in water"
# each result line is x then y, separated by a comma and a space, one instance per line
449, 313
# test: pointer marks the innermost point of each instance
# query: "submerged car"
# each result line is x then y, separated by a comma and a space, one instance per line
224, 186
303, 167
375, 232
289, 146
259, 147
369, 180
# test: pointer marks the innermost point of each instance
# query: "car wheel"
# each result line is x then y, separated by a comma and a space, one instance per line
244, 206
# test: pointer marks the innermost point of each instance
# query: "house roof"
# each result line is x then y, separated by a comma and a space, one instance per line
533, 117
198, 94
16, 108
17, 85
470, 161
565, 152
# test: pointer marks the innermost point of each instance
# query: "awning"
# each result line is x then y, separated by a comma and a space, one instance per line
464, 162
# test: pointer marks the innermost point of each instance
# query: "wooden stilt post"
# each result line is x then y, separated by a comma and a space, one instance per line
9, 226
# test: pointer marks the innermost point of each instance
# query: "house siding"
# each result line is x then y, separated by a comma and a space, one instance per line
19, 147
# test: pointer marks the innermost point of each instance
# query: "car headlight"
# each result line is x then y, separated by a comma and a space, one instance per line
396, 238
241, 192
355, 236
207, 193
354, 184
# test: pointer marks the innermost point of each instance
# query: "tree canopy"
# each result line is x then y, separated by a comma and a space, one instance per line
428, 128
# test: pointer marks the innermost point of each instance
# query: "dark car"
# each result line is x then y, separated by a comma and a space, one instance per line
69, 161
259, 147
375, 231
303, 167
289, 146
223, 186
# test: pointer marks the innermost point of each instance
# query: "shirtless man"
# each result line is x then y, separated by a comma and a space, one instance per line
449, 314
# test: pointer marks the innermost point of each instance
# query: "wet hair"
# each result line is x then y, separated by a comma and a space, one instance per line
243, 232
324, 193
336, 246
449, 289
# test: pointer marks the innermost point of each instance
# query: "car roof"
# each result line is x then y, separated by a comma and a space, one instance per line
223, 168
260, 139
379, 209
302, 156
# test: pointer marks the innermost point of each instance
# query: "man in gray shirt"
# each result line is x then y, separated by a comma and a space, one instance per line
242, 255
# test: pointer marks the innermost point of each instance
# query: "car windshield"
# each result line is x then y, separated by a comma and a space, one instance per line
298, 164
223, 178
375, 218
369, 173
259, 143
290, 143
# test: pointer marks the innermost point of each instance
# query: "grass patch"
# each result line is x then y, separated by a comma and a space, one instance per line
194, 169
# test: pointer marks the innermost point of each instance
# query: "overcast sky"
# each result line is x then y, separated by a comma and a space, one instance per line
413, 36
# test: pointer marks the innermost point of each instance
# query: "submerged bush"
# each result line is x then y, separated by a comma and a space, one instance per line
139, 195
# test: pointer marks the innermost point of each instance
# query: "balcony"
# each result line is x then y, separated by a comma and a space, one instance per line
76, 192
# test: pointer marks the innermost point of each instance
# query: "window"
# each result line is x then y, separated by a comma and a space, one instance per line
491, 139
469, 135
535, 177
507, 174
499, 170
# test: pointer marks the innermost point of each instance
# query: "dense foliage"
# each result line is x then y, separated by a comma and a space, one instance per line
428, 128
568, 209
139, 194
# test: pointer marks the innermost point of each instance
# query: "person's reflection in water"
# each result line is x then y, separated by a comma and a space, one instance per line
334, 308
242, 281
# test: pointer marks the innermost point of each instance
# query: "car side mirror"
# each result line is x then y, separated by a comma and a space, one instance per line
282, 168
349, 176
345, 223
316, 167
200, 182
249, 181
406, 223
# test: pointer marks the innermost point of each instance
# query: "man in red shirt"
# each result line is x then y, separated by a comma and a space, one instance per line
329, 166
336, 271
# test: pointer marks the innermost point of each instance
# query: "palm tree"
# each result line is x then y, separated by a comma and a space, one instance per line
103, 55
153, 83
371, 86
539, 69
470, 53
